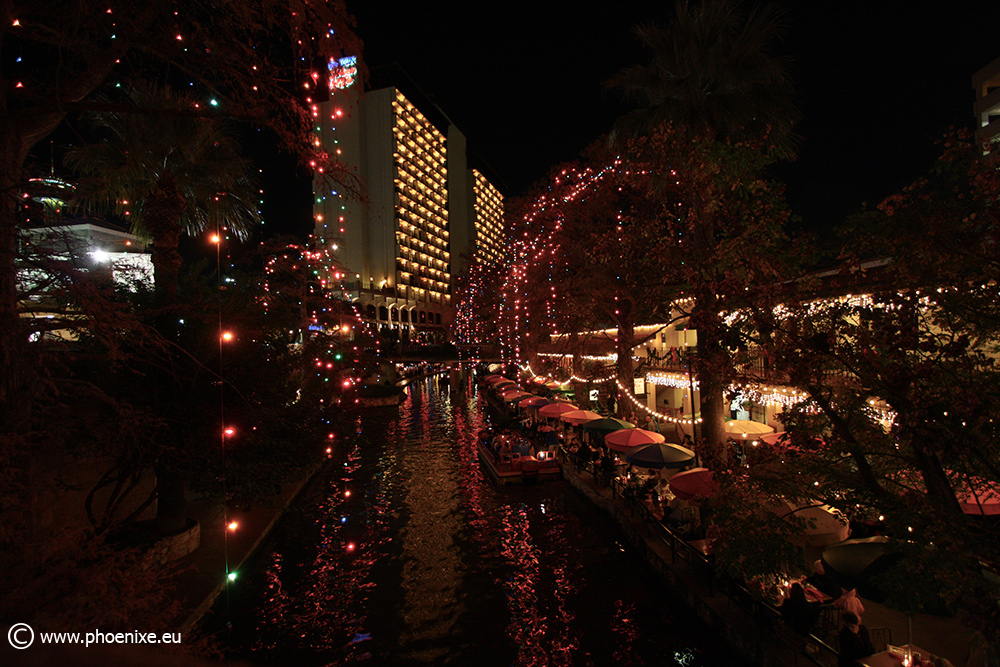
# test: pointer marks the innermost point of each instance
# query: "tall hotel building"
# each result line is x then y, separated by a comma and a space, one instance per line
986, 83
424, 212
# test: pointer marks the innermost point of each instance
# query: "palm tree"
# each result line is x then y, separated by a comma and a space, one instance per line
713, 74
169, 170
714, 79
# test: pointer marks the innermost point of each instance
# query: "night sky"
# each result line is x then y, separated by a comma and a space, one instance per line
878, 82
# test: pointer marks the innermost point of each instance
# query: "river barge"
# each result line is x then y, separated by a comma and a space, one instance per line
518, 467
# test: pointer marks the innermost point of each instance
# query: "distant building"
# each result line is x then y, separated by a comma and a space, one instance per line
425, 213
53, 244
986, 83
95, 246
87, 243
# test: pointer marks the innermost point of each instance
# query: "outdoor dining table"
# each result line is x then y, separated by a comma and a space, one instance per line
813, 594
894, 656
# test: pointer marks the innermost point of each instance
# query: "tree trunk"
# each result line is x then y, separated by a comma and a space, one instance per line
711, 367
16, 371
163, 215
624, 366
19, 133
164, 210
171, 502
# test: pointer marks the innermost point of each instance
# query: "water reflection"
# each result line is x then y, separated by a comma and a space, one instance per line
432, 569
407, 555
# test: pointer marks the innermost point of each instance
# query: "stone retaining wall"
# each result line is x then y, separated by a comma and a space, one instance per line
175, 546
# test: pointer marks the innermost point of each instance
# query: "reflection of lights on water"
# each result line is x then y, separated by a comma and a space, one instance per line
684, 657
323, 595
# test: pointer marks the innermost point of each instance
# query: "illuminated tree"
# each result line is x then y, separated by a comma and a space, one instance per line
249, 58
168, 174
300, 288
610, 256
714, 77
478, 299
896, 356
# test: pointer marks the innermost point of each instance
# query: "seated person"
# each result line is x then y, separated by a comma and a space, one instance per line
632, 486
650, 484
607, 465
824, 582
663, 490
671, 518
798, 613
853, 641
648, 492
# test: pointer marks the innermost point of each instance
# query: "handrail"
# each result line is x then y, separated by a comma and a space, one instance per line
763, 614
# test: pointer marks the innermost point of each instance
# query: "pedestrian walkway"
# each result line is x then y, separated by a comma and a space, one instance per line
202, 575
747, 624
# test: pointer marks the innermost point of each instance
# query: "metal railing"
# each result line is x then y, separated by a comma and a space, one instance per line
814, 649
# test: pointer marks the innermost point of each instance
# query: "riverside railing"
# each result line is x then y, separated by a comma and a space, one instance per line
763, 616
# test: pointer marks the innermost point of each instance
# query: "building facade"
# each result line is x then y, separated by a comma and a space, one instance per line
423, 214
986, 83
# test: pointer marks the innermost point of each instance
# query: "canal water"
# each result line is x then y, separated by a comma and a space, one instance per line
405, 553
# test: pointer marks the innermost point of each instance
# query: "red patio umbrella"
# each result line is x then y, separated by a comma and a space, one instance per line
556, 409
983, 499
534, 402
626, 438
577, 417
694, 483
784, 439
514, 395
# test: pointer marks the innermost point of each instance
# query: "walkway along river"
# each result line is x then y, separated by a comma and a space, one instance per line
404, 553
